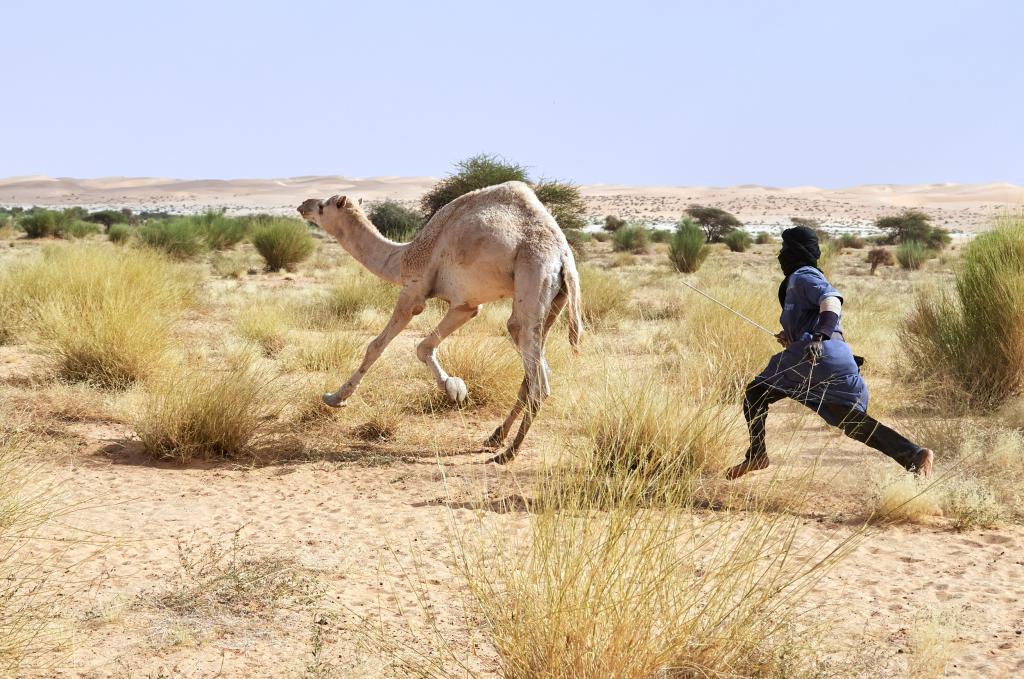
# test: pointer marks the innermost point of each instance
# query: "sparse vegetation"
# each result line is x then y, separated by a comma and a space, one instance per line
283, 243
716, 222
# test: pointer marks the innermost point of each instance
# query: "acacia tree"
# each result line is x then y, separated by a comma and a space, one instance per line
562, 199
715, 221
913, 226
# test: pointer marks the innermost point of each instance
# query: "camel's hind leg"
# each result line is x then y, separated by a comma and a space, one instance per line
409, 304
458, 315
529, 326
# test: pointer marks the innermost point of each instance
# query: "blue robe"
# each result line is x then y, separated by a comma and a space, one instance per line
835, 377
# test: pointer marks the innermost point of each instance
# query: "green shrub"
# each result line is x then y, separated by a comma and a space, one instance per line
971, 337
39, 224
913, 226
715, 221
471, 174
219, 231
764, 238
738, 240
179, 237
109, 217
632, 238
912, 255
78, 229
601, 236
282, 243
659, 235
688, 248
395, 221
119, 233
562, 199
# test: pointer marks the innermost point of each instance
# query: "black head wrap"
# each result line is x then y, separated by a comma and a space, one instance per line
799, 249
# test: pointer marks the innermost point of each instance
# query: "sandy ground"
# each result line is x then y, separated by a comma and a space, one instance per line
357, 527
961, 208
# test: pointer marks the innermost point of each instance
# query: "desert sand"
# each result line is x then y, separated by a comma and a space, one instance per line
961, 208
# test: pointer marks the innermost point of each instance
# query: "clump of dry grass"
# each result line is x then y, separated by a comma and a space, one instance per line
208, 413
100, 316
490, 367
905, 498
343, 302
382, 422
264, 326
234, 580
932, 644
27, 602
604, 297
338, 352
971, 502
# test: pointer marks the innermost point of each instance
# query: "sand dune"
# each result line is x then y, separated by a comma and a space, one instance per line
959, 207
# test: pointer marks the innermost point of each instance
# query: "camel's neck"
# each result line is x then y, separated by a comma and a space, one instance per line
363, 241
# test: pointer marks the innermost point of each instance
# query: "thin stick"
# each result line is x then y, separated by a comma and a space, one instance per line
729, 308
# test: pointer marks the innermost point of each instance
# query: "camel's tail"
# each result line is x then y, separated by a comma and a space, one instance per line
571, 282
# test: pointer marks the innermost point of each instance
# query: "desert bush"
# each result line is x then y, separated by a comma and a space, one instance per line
180, 237
207, 412
852, 241
715, 221
613, 223
971, 502
738, 240
107, 218
601, 237
932, 643
219, 231
913, 226
576, 240
912, 255
973, 336
604, 297
395, 221
39, 224
880, 257
764, 238
808, 223
659, 235
905, 498
78, 229
99, 316
688, 249
562, 199
632, 238
119, 234
282, 243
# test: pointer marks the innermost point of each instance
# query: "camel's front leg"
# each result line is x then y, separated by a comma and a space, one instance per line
408, 306
457, 316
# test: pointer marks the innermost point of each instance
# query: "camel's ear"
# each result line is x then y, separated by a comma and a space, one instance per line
342, 202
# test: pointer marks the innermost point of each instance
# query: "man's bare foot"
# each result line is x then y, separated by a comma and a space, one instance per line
923, 464
751, 465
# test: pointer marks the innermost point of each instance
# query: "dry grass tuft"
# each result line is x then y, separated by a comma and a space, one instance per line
208, 413
343, 302
101, 317
604, 296
905, 498
932, 645
264, 326
334, 353
490, 367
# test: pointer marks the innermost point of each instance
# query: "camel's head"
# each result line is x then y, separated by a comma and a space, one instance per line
316, 211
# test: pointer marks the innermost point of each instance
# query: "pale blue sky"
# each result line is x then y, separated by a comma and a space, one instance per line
710, 93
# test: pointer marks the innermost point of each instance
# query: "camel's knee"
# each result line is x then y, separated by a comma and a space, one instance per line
513, 329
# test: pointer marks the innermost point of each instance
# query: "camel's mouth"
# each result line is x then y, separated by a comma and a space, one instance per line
311, 207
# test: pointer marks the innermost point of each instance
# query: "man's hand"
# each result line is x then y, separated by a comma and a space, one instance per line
780, 337
816, 349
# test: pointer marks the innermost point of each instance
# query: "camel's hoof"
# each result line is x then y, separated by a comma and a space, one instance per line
334, 400
456, 389
504, 458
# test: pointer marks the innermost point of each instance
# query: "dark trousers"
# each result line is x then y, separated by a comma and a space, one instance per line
856, 424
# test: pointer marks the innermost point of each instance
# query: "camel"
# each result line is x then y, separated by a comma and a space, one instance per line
490, 244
